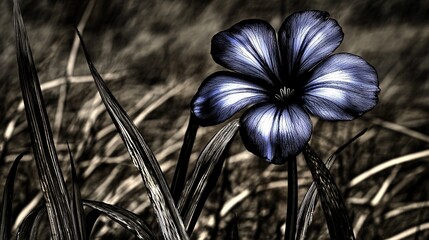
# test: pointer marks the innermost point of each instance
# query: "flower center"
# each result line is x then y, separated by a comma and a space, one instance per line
285, 94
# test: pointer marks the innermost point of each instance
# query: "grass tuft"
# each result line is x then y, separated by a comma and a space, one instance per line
205, 175
308, 204
333, 205
50, 175
122, 216
6, 207
168, 218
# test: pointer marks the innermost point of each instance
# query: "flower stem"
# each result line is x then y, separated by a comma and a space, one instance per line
182, 164
292, 200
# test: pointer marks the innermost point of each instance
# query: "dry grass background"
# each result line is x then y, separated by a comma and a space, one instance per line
155, 54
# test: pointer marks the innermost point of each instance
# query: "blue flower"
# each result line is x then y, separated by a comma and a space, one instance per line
282, 82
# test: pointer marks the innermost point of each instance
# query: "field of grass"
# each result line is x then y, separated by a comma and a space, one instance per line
155, 54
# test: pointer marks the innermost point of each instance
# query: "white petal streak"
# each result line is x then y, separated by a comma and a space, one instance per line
250, 48
307, 37
342, 87
223, 94
275, 132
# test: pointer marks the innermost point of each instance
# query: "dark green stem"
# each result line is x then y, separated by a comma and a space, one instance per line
292, 200
182, 164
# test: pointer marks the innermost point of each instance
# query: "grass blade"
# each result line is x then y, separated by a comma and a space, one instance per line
185, 153
333, 205
205, 175
78, 214
28, 229
166, 212
6, 207
50, 175
124, 217
90, 220
308, 205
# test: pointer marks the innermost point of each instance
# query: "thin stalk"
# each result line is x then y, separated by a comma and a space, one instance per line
182, 164
292, 199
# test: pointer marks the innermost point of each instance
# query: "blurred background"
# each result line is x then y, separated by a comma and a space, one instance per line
155, 54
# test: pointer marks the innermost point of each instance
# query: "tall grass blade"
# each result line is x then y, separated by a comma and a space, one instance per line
166, 212
78, 214
185, 153
124, 217
28, 228
6, 207
205, 175
50, 175
308, 204
333, 205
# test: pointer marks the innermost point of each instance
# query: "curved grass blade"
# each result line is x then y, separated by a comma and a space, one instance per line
124, 217
78, 215
90, 220
333, 205
185, 153
205, 175
166, 212
50, 175
6, 207
308, 205
27, 229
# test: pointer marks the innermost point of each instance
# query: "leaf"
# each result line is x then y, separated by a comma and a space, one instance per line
50, 176
124, 217
205, 175
333, 206
308, 204
182, 164
91, 219
28, 227
6, 207
78, 214
166, 213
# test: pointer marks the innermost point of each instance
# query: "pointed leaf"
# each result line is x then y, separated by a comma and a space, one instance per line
205, 175
166, 213
308, 204
124, 217
51, 178
333, 205
78, 214
6, 207
182, 164
28, 228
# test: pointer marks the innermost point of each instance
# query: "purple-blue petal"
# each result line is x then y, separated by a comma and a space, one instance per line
342, 87
275, 133
223, 94
250, 48
306, 38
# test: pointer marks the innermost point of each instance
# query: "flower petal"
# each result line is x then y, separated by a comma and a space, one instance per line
342, 87
250, 48
223, 94
275, 133
307, 37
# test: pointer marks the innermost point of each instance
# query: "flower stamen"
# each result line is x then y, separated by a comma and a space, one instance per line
285, 94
